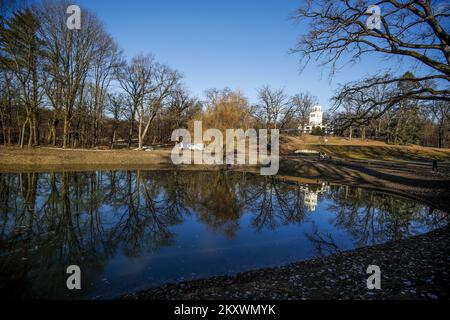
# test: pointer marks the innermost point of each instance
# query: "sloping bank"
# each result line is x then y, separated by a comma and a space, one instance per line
410, 179
413, 268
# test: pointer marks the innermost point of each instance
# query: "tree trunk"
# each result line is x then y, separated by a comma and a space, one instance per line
113, 138
35, 121
140, 133
31, 135
131, 130
55, 126
147, 126
22, 136
66, 131
3, 131
5, 142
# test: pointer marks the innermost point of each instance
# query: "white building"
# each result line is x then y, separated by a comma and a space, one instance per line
311, 196
310, 200
316, 116
315, 120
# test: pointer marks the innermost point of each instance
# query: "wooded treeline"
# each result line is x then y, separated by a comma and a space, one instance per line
75, 89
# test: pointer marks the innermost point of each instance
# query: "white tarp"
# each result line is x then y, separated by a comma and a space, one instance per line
191, 146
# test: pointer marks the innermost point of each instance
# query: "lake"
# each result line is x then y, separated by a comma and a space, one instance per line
132, 230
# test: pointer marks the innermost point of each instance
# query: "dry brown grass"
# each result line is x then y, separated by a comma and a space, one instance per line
55, 158
358, 149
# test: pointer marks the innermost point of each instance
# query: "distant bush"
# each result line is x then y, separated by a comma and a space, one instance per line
317, 131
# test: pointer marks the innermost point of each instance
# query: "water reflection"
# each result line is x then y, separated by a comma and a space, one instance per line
135, 229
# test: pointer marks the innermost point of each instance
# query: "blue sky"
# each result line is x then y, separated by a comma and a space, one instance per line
218, 43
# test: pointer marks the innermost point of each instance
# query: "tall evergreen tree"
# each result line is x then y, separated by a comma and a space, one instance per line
20, 53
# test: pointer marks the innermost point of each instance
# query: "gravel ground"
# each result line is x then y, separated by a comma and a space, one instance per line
414, 268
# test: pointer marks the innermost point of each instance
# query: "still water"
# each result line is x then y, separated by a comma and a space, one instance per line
131, 230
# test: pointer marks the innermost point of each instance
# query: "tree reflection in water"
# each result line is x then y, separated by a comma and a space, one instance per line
51, 220
374, 217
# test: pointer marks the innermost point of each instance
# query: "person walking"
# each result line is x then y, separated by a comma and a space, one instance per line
435, 166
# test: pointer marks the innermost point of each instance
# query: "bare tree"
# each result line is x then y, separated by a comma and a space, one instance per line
343, 119
441, 116
214, 95
364, 106
70, 55
272, 107
163, 81
413, 30
116, 108
181, 106
147, 84
133, 78
302, 106
105, 64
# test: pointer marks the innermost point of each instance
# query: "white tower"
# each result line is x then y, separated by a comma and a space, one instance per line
315, 117
311, 200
